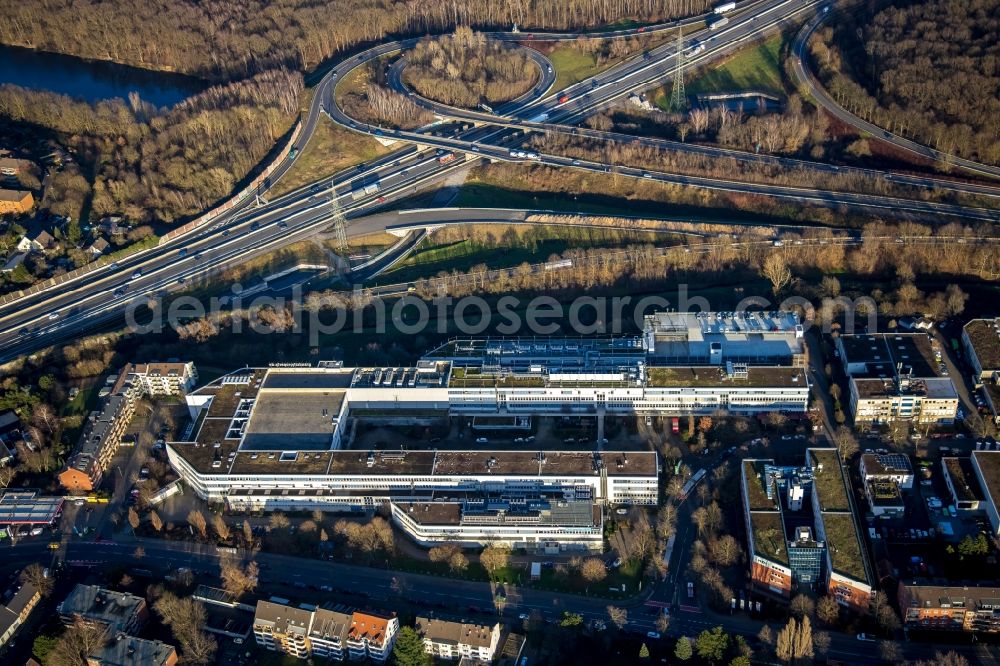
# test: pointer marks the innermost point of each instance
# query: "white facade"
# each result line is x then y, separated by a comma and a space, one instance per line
371, 488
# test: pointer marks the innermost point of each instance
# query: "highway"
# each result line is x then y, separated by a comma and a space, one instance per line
67, 310
808, 80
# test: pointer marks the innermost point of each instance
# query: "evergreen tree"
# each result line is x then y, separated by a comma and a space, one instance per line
409, 649
683, 650
644, 652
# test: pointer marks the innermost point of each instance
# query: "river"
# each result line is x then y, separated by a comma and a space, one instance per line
92, 80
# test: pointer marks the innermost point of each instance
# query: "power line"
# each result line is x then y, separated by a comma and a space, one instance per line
678, 98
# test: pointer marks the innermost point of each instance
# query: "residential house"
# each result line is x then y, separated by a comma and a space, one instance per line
282, 628
940, 608
446, 639
15, 201
98, 247
103, 430
125, 650
120, 612
371, 636
15, 611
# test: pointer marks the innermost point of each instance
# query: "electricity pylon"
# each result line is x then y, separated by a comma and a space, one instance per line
339, 221
678, 99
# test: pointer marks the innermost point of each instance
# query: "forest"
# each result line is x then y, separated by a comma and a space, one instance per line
158, 165
467, 68
929, 71
226, 39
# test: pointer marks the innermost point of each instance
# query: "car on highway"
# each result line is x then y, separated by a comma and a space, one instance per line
136, 275
652, 634
182, 253
54, 315
866, 637
576, 162
54, 545
282, 224
646, 174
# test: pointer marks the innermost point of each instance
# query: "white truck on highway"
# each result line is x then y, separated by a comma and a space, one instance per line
718, 23
540, 118
363, 191
724, 7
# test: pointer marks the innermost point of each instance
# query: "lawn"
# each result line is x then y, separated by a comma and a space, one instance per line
756, 67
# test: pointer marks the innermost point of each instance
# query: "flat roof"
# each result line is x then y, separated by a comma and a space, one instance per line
293, 420
712, 376
985, 339
963, 478
843, 545
756, 493
936, 596
988, 463
282, 379
829, 481
27, 508
883, 352
769, 536
886, 463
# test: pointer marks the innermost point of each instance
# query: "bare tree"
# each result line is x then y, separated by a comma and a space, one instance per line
133, 518
155, 521
828, 610
238, 580
35, 575
279, 521
593, 570
847, 444
618, 616
776, 270
79, 641
196, 519
220, 527
495, 556
801, 606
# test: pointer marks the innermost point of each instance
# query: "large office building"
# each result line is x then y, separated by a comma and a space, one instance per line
784, 552
801, 529
683, 363
893, 377
270, 438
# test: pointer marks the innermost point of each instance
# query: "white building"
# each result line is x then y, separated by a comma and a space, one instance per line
893, 377
887, 466
305, 633
445, 639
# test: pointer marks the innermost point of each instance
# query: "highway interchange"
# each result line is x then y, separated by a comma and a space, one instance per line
65, 311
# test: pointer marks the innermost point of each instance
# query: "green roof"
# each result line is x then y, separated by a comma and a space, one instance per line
829, 482
755, 491
474, 377
710, 376
769, 536
843, 545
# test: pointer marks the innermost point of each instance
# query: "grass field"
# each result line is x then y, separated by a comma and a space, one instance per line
757, 67
542, 242
331, 149
573, 65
